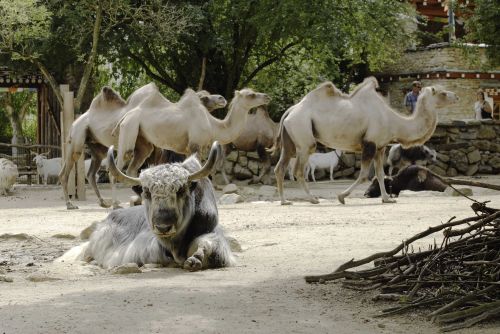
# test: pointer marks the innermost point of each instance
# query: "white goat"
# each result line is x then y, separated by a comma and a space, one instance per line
323, 160
8, 175
47, 167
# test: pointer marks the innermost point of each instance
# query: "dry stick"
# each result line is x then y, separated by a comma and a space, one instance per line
460, 301
340, 271
470, 312
472, 321
482, 222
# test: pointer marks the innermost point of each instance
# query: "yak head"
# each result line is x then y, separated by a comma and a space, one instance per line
168, 191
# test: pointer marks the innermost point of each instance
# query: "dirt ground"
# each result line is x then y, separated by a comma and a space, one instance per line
264, 293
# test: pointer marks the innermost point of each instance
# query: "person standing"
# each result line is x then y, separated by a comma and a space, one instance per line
412, 96
481, 107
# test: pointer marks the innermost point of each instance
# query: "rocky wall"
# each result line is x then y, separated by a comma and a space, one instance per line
465, 147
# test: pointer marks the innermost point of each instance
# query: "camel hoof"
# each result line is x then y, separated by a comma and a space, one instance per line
105, 204
286, 203
341, 199
314, 200
71, 206
389, 200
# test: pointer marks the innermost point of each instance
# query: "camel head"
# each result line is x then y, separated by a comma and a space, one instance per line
210, 101
107, 99
434, 97
248, 99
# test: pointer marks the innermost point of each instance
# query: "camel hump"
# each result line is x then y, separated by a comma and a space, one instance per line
189, 100
154, 100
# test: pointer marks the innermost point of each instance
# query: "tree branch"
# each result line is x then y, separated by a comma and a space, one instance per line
50, 78
269, 62
203, 71
89, 66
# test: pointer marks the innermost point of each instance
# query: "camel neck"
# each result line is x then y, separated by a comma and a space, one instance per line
417, 128
228, 129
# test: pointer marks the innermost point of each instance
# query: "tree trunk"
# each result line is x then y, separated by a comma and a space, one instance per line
17, 132
89, 66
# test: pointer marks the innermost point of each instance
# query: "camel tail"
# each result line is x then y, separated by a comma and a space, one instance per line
273, 150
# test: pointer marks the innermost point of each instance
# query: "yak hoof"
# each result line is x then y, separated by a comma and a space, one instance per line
341, 198
283, 202
192, 264
388, 200
71, 206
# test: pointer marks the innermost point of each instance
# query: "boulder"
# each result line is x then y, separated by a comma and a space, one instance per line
41, 277
243, 161
451, 172
474, 156
241, 173
472, 170
486, 132
230, 189
267, 191
228, 167
438, 170
230, 199
349, 159
64, 236
459, 160
15, 236
442, 157
233, 156
253, 166
494, 162
482, 145
125, 269
253, 155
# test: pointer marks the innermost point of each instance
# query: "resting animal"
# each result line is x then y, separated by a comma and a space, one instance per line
400, 157
47, 167
8, 175
178, 223
414, 177
323, 160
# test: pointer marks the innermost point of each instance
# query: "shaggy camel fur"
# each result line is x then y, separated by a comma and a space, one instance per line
359, 122
184, 127
94, 128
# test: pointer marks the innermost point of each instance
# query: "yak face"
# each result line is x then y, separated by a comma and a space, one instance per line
167, 199
430, 154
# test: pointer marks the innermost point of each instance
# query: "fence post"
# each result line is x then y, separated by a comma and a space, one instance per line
67, 117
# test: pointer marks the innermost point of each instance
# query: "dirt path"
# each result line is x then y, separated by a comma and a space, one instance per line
264, 293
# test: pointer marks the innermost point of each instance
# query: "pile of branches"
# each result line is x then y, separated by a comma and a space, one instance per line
458, 280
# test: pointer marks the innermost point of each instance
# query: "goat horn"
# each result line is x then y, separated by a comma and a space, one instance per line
213, 158
118, 173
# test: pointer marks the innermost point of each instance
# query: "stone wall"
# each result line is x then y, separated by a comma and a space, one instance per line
466, 90
465, 147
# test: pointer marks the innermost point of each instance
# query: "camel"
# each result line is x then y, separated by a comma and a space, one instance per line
185, 127
359, 122
257, 135
94, 128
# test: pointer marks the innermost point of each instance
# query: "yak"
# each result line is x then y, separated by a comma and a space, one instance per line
177, 223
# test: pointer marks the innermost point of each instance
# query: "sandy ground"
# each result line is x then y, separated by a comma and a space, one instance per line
264, 293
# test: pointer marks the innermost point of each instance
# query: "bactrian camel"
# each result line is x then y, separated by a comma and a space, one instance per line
257, 135
359, 122
94, 129
184, 127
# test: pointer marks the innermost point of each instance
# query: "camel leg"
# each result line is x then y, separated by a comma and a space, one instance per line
368, 153
266, 162
287, 151
69, 162
312, 170
331, 172
302, 160
379, 172
97, 153
142, 151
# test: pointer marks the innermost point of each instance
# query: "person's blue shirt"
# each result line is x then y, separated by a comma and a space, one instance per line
411, 101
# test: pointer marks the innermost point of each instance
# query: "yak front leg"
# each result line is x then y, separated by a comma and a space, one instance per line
198, 254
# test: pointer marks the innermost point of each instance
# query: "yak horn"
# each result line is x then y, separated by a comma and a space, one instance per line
118, 173
213, 158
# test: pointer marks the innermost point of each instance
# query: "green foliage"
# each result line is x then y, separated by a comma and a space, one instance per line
483, 26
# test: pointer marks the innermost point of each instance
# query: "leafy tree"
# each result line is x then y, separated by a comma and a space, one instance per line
240, 40
16, 107
483, 26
